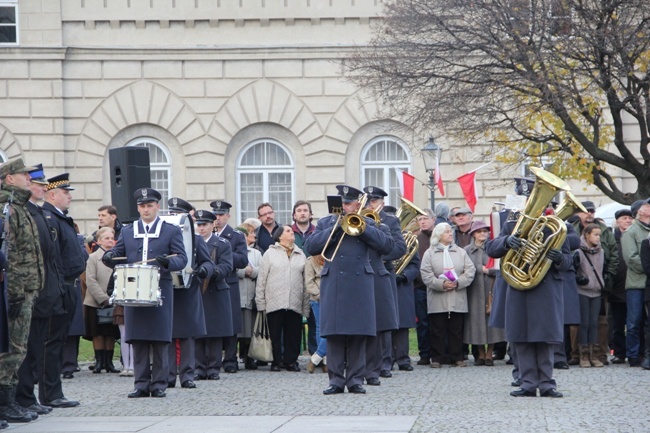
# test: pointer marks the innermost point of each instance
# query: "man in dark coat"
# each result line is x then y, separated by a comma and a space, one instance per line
221, 209
379, 350
216, 300
48, 319
405, 313
73, 263
188, 320
426, 224
150, 328
347, 293
617, 301
534, 318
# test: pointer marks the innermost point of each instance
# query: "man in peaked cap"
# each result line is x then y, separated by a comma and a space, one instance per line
72, 261
49, 316
216, 300
221, 209
188, 318
379, 348
150, 329
348, 315
23, 278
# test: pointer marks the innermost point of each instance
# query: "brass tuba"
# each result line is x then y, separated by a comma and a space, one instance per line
406, 213
526, 267
569, 206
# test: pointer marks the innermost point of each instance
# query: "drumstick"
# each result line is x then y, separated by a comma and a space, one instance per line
119, 258
151, 260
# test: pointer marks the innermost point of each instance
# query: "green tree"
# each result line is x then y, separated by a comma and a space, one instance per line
562, 80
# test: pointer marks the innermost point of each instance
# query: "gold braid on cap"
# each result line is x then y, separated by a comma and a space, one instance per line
57, 184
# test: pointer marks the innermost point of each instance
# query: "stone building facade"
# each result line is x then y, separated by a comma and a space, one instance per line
242, 100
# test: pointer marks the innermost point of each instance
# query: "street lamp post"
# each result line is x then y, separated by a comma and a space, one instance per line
431, 156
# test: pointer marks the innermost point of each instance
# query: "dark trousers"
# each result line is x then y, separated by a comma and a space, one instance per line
373, 357
447, 326
185, 368
43, 361
617, 319
422, 326
285, 328
401, 346
386, 344
230, 351
70, 354
346, 359
208, 353
312, 343
150, 374
535, 361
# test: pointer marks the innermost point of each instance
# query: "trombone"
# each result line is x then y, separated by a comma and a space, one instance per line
352, 224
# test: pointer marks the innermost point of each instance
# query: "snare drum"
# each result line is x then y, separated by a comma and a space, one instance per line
183, 279
136, 286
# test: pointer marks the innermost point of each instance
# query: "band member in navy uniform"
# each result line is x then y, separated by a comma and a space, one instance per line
347, 293
188, 319
216, 300
237, 241
150, 328
378, 350
534, 318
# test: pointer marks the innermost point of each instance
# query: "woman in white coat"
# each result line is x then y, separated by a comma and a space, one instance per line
446, 270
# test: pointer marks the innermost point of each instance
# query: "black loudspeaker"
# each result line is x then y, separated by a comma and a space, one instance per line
130, 170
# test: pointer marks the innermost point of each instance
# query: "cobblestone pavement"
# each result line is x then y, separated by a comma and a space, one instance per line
615, 398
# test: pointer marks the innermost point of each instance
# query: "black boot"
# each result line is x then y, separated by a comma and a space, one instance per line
646, 352
99, 361
9, 410
108, 362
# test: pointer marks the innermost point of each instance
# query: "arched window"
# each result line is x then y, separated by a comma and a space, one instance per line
265, 174
379, 158
160, 164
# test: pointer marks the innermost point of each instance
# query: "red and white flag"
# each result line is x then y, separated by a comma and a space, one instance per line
437, 177
467, 184
406, 184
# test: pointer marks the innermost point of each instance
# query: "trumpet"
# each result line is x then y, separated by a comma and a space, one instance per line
352, 224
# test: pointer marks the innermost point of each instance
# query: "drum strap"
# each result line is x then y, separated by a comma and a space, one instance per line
140, 233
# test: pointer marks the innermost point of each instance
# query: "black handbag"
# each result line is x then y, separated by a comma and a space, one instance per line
105, 316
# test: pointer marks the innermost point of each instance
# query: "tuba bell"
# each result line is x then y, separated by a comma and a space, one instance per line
569, 206
526, 267
406, 214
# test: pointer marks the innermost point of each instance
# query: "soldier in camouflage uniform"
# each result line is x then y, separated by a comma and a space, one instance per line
24, 274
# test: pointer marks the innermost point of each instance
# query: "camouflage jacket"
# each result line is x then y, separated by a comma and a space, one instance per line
24, 268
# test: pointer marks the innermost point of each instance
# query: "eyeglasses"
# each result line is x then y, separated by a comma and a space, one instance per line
266, 214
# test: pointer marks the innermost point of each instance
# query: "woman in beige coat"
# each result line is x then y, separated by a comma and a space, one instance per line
98, 276
280, 292
446, 280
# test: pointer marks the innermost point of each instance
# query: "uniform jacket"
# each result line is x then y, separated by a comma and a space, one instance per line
631, 246
152, 323
24, 270
535, 315
247, 284
438, 300
571, 299
406, 294
239, 261
217, 301
385, 285
73, 256
97, 277
281, 281
189, 317
50, 300
347, 301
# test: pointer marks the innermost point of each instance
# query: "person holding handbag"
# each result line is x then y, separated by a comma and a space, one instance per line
479, 298
591, 285
100, 326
